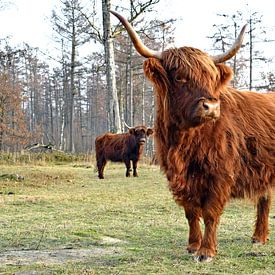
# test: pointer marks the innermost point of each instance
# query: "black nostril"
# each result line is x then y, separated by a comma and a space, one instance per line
205, 106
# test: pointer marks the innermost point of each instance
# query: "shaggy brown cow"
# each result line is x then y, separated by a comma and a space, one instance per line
124, 147
213, 142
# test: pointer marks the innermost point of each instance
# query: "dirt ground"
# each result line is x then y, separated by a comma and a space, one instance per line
59, 256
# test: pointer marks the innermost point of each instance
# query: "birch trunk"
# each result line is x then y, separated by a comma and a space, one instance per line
72, 85
113, 104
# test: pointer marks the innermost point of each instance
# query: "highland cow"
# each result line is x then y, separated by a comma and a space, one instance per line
124, 147
213, 141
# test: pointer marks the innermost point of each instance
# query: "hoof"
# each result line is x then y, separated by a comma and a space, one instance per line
256, 242
203, 259
259, 242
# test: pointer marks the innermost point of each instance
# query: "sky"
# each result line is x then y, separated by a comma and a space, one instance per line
198, 17
29, 20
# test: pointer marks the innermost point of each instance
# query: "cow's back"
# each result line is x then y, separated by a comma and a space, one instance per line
111, 146
252, 120
254, 124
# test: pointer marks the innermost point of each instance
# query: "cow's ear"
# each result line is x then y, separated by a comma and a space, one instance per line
226, 74
132, 131
150, 131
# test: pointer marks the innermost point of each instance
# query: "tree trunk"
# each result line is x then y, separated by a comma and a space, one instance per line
143, 100
129, 88
250, 53
235, 58
113, 105
72, 85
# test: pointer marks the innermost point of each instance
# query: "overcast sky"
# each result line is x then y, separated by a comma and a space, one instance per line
26, 21
29, 20
198, 17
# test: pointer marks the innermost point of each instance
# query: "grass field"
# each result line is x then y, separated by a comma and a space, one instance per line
61, 219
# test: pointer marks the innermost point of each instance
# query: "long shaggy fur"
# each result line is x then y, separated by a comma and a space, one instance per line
124, 147
209, 162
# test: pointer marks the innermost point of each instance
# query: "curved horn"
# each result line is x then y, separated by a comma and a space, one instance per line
140, 47
232, 51
127, 125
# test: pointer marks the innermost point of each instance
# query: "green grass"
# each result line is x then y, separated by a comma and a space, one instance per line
66, 207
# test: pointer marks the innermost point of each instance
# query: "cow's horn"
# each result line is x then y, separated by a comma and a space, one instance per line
127, 125
140, 47
232, 51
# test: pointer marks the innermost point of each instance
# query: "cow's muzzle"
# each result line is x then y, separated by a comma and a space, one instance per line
208, 108
211, 109
142, 141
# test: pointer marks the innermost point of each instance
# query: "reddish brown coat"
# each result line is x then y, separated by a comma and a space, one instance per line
207, 161
124, 147
213, 142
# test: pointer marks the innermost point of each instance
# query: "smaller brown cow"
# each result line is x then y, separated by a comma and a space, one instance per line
124, 147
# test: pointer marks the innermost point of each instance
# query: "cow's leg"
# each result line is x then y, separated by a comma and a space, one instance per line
135, 174
100, 167
261, 226
193, 215
211, 213
128, 167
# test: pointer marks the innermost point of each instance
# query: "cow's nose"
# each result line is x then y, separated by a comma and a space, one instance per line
211, 109
142, 140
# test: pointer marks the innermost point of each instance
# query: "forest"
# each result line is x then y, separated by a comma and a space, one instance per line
66, 106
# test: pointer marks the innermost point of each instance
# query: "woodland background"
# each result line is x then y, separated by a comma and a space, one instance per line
67, 105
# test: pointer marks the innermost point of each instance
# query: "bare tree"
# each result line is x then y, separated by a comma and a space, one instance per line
255, 33
249, 57
72, 27
113, 105
224, 34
